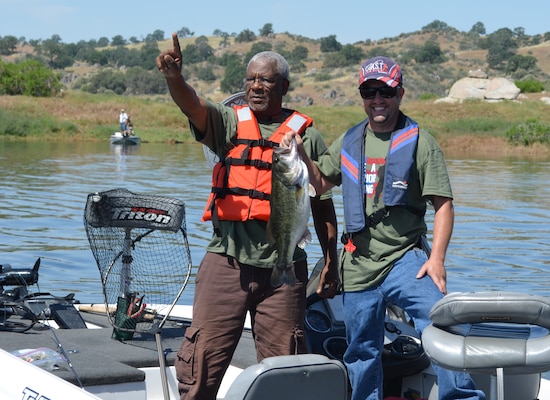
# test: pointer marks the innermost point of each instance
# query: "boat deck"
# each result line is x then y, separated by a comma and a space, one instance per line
99, 360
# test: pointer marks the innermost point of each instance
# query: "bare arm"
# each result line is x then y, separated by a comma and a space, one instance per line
169, 63
442, 231
324, 218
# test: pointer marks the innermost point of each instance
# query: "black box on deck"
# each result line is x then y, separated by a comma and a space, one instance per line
67, 316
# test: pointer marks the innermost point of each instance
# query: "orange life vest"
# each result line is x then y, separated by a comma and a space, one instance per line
241, 182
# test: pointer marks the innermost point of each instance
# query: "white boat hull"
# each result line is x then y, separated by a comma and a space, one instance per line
19, 376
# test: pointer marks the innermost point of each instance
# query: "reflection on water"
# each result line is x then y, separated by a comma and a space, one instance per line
502, 232
501, 239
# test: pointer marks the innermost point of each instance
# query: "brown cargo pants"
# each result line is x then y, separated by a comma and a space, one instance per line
224, 291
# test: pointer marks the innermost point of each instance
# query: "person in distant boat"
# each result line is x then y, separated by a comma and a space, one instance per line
389, 170
234, 276
123, 119
129, 127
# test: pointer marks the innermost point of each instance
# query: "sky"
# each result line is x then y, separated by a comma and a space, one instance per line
350, 20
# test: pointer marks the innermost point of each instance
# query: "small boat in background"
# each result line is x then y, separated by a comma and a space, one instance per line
119, 138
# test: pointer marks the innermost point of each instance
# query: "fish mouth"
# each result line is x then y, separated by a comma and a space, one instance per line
282, 150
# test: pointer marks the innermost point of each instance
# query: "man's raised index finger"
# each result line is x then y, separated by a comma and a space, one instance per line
176, 43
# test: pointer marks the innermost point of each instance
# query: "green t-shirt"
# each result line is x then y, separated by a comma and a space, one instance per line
247, 241
379, 247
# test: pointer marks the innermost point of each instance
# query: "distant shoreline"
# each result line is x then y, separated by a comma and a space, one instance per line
471, 129
493, 148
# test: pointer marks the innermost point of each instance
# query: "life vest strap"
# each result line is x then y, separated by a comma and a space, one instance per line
260, 164
263, 142
252, 193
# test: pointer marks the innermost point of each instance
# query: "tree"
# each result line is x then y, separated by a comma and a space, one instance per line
229, 58
299, 53
103, 42
500, 47
429, 53
206, 74
520, 36
118, 40
105, 80
353, 55
519, 62
53, 48
225, 41
245, 36
348, 55
197, 52
436, 25
95, 57
257, 48
62, 61
29, 78
206, 52
478, 28
8, 44
266, 30
139, 81
147, 56
329, 44
233, 81
184, 32
156, 36
334, 60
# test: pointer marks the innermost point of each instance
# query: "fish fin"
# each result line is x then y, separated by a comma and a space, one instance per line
280, 276
290, 276
270, 237
277, 278
306, 238
311, 191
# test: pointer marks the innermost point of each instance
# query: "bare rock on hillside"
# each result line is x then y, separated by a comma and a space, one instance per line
478, 73
478, 86
469, 88
501, 89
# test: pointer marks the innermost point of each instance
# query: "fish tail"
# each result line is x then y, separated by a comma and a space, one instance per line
281, 276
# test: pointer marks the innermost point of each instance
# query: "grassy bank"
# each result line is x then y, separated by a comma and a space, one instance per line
471, 127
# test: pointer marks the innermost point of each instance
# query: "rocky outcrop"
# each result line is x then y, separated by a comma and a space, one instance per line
479, 86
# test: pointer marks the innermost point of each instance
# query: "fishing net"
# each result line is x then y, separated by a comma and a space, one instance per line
140, 245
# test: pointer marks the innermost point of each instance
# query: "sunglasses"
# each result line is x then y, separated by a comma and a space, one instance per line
369, 93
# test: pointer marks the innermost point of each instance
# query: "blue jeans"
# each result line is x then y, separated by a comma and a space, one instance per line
364, 314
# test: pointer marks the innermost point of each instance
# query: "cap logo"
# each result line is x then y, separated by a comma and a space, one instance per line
378, 66
382, 69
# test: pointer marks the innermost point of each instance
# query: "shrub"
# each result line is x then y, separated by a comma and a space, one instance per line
530, 86
528, 133
428, 96
29, 78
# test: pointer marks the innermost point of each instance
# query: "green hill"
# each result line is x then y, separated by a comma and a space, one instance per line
432, 59
319, 86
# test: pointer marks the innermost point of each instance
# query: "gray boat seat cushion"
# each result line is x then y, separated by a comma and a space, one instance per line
303, 376
482, 331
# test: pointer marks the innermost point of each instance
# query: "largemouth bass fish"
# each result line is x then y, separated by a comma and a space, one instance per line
290, 209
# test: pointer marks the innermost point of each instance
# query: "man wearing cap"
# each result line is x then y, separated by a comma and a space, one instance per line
390, 170
123, 118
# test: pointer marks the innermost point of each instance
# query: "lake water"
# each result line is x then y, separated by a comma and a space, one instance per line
501, 239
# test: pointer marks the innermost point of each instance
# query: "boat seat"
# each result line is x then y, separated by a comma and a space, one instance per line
491, 333
303, 376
